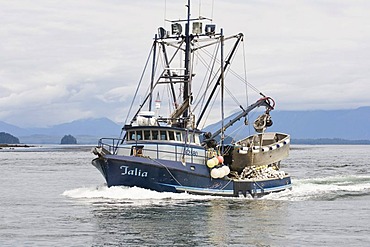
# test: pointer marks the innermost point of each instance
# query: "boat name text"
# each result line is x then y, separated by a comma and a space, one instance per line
132, 172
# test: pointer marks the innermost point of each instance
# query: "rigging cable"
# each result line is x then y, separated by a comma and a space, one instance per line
209, 111
246, 86
167, 90
213, 2
214, 58
244, 80
210, 80
150, 90
214, 74
245, 73
200, 5
138, 86
165, 13
236, 132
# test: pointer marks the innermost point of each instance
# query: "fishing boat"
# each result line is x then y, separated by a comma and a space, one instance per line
169, 150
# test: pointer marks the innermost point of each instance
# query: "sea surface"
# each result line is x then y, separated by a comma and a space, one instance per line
53, 196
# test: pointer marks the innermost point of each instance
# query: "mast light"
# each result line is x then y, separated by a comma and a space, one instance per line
176, 28
197, 27
210, 29
162, 33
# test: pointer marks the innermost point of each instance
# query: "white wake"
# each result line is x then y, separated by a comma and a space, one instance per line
325, 188
131, 195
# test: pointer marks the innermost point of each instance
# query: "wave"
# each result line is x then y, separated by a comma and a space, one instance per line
131, 195
324, 188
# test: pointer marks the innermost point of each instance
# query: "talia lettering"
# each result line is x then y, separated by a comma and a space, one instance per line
132, 172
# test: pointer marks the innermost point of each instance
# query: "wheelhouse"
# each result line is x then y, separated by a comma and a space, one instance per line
162, 134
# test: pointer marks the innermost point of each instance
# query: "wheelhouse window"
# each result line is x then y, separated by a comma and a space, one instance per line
131, 136
163, 135
171, 135
139, 135
178, 136
154, 134
193, 138
147, 135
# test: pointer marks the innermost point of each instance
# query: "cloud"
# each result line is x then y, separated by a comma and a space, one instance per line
65, 60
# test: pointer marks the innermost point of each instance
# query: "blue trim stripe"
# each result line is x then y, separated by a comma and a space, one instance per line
200, 190
279, 188
206, 191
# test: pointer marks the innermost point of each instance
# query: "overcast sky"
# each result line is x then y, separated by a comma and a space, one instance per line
65, 60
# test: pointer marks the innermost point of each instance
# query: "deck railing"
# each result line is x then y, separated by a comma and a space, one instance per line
179, 152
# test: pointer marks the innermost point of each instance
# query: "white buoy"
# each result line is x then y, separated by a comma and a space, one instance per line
215, 173
215, 159
221, 172
211, 163
226, 170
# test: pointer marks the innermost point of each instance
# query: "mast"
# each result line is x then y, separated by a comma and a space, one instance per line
153, 73
187, 61
222, 93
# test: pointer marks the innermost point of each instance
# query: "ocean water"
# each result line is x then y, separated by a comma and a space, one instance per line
53, 196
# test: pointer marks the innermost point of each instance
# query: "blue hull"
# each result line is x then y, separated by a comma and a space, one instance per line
173, 176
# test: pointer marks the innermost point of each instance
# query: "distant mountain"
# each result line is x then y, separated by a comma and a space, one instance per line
341, 124
344, 124
86, 131
332, 124
93, 126
6, 138
12, 129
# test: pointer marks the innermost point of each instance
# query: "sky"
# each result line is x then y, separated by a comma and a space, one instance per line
62, 61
